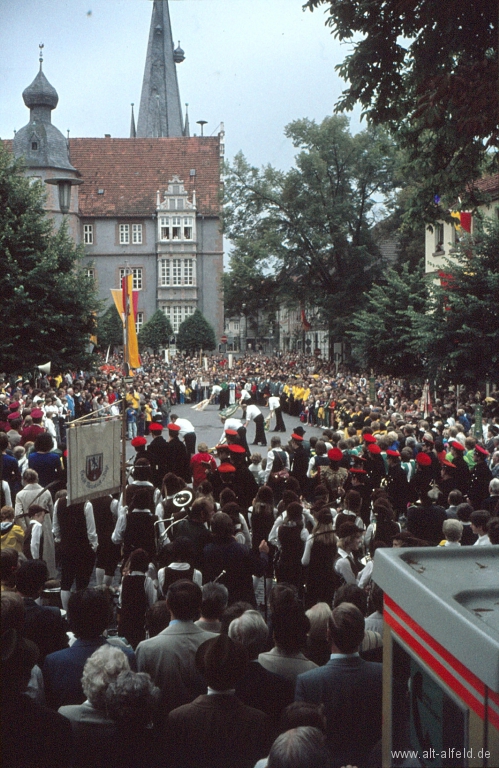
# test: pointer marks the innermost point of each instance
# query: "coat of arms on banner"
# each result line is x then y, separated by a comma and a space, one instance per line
94, 465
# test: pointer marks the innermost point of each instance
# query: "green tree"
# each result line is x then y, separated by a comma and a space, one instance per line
460, 331
305, 235
429, 72
156, 333
383, 335
48, 302
109, 328
195, 333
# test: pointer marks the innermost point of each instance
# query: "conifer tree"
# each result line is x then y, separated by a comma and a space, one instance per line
156, 333
48, 301
195, 334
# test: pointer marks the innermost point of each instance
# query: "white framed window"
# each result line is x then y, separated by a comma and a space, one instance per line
164, 272
139, 321
439, 236
91, 273
236, 326
164, 228
124, 234
176, 314
137, 234
188, 272
88, 234
137, 277
180, 204
176, 228
176, 271
188, 228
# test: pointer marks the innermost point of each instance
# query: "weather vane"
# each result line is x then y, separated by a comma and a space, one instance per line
41, 46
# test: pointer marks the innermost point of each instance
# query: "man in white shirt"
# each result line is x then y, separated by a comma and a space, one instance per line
253, 413
275, 409
479, 520
187, 433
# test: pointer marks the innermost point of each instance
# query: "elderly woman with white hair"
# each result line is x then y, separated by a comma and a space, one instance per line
100, 669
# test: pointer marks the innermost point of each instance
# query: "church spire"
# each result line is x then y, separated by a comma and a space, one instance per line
160, 112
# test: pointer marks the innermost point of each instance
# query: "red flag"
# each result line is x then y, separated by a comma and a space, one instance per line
465, 219
304, 322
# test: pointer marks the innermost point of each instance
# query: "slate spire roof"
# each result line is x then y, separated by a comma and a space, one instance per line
160, 112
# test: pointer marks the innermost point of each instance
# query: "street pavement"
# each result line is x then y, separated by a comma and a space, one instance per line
209, 429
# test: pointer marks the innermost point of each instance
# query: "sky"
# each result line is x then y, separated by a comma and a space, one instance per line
253, 65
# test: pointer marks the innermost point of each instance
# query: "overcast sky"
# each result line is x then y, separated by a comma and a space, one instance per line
254, 65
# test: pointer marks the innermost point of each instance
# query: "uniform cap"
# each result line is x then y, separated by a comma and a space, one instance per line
37, 413
375, 449
297, 437
335, 454
423, 459
155, 427
368, 438
226, 469
173, 427
231, 432
457, 446
358, 471
447, 463
392, 453
236, 449
138, 441
481, 450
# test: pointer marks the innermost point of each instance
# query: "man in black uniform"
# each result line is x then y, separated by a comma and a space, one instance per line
157, 453
177, 456
480, 478
397, 484
462, 472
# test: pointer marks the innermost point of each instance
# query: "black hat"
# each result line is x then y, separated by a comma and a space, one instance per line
299, 431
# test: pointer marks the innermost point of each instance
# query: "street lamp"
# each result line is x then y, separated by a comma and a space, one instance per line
64, 185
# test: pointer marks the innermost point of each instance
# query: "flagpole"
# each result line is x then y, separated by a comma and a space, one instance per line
126, 372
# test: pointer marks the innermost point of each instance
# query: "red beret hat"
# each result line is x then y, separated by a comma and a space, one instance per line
236, 448
392, 453
37, 413
137, 441
423, 459
299, 438
155, 427
226, 468
374, 448
231, 432
368, 438
335, 454
358, 471
448, 464
173, 427
457, 446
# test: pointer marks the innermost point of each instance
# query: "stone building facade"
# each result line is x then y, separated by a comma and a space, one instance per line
149, 203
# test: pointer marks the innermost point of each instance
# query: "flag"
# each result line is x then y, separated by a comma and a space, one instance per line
464, 218
126, 304
304, 322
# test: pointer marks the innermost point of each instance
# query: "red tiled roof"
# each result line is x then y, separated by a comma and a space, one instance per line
489, 185
130, 171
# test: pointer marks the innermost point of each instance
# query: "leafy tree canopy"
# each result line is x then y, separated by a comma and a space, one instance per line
156, 333
48, 302
110, 328
383, 333
460, 331
305, 235
195, 334
429, 72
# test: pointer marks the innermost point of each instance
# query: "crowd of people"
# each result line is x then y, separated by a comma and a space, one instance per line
220, 610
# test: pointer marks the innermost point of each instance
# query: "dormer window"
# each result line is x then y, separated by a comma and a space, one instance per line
34, 146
